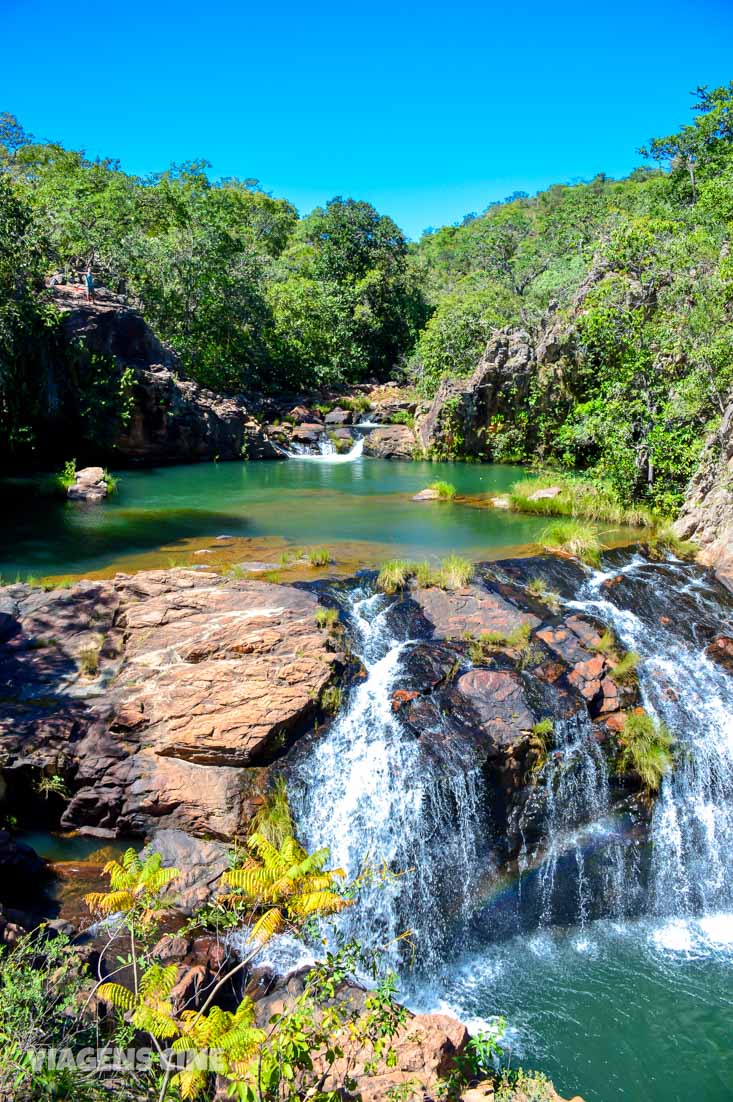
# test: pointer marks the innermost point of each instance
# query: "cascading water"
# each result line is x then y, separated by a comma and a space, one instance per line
573, 798
326, 452
659, 612
368, 791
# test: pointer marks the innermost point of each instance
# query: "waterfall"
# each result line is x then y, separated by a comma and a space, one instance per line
573, 801
368, 791
326, 452
666, 614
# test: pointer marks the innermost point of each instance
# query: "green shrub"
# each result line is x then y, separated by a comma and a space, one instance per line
579, 540
646, 748
425, 574
402, 417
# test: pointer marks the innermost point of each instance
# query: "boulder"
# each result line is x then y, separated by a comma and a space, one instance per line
706, 516
470, 612
307, 433
172, 418
339, 417
89, 485
390, 442
200, 863
460, 419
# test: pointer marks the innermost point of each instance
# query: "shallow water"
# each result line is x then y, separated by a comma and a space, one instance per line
161, 514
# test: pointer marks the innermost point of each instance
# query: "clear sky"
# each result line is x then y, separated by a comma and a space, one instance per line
429, 110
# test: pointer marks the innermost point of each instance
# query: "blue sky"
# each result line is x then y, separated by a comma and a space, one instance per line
427, 110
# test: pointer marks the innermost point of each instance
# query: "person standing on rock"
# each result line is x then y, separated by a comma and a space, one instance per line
89, 284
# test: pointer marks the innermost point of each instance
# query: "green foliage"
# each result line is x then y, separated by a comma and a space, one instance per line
578, 498
576, 539
42, 981
446, 491
327, 618
318, 556
625, 669
646, 748
394, 575
331, 699
455, 572
538, 587
605, 645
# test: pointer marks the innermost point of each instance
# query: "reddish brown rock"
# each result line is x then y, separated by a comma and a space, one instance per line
193, 678
497, 697
470, 612
721, 651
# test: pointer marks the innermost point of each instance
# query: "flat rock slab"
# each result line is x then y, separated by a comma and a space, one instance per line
152, 692
470, 611
498, 699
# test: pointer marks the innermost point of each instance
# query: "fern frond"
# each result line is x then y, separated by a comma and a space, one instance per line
159, 879
271, 923
255, 882
108, 903
271, 857
159, 980
190, 1082
322, 903
157, 1021
120, 997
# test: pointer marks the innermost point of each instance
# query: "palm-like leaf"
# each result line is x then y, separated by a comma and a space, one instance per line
269, 924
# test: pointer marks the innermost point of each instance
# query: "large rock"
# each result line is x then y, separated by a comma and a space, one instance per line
160, 698
89, 485
390, 442
461, 416
707, 513
172, 419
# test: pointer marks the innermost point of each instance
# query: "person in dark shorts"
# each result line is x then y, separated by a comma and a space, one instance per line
89, 284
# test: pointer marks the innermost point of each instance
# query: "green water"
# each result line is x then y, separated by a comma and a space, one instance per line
635, 1012
300, 501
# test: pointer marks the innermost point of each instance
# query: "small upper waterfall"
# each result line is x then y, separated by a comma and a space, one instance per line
326, 452
661, 613
368, 791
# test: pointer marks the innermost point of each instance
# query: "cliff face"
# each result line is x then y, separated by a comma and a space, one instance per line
707, 514
172, 419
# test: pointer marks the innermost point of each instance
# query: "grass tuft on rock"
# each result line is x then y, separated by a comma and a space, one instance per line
327, 618
318, 556
574, 538
481, 647
394, 575
665, 541
446, 491
606, 644
646, 748
625, 670
538, 588
454, 573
